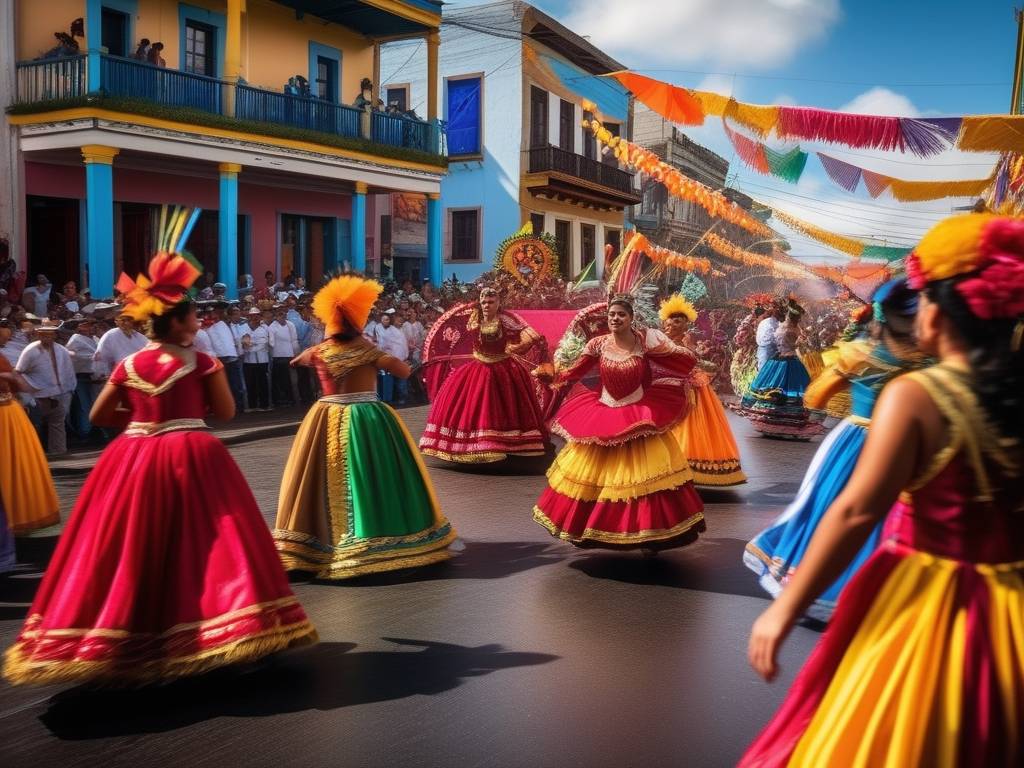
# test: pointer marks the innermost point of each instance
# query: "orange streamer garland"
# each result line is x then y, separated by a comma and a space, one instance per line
683, 187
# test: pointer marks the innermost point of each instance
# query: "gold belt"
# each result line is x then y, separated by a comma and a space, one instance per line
150, 428
859, 421
485, 358
349, 398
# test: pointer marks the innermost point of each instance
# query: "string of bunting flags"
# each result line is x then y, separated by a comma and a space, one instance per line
918, 135
718, 206
789, 166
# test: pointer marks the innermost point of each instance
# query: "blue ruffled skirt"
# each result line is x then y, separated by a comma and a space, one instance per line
775, 553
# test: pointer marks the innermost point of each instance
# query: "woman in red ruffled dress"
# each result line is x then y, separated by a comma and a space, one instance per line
486, 409
166, 567
623, 481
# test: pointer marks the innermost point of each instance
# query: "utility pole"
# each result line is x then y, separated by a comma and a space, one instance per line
1018, 64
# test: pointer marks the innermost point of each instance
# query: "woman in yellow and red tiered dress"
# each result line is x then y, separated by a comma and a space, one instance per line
923, 662
622, 481
705, 433
166, 566
486, 409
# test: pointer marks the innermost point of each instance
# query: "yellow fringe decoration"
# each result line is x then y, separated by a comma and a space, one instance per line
992, 133
916, 191
849, 245
20, 669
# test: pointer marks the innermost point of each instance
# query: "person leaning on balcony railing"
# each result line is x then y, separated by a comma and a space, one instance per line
154, 57
142, 52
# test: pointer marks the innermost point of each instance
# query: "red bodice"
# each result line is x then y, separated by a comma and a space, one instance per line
942, 518
161, 387
490, 339
623, 377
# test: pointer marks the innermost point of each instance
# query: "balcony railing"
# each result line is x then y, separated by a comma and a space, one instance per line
313, 114
132, 79
67, 77
51, 79
559, 160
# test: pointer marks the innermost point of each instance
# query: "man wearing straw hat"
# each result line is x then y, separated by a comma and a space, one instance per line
48, 369
82, 346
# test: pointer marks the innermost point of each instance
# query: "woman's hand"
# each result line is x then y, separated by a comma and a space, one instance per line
544, 372
766, 637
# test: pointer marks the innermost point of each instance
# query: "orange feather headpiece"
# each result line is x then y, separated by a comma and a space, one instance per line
170, 277
346, 301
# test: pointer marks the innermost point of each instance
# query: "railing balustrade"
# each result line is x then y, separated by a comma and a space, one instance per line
551, 158
50, 79
133, 79
62, 78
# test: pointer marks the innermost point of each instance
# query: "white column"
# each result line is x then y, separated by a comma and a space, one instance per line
12, 165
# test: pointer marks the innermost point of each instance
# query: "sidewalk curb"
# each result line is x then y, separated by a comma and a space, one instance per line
240, 437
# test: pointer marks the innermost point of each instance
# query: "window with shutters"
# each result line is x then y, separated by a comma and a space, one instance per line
537, 220
588, 244
199, 49
538, 117
567, 126
465, 116
465, 235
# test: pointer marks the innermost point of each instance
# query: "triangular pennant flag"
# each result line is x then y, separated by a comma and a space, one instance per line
842, 173
875, 182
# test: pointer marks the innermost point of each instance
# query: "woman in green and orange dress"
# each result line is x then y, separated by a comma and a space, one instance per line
355, 498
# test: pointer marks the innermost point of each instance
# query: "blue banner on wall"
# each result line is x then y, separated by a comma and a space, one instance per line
611, 98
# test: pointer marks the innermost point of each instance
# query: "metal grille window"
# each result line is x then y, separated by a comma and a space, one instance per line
199, 48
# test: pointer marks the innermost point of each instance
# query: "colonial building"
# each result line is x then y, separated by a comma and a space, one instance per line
512, 82
254, 110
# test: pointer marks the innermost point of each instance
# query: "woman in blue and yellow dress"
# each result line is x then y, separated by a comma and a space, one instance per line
923, 661
863, 368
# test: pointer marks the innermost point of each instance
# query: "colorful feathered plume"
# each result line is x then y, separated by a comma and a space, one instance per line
346, 301
677, 305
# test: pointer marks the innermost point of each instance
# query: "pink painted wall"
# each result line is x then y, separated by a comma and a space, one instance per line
260, 203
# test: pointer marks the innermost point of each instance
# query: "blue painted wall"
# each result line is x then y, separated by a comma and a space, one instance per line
491, 184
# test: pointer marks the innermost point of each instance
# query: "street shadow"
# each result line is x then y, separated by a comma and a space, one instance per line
324, 677
711, 565
516, 466
479, 560
773, 495
18, 586
711, 495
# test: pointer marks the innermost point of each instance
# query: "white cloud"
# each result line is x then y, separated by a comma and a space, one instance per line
881, 101
735, 33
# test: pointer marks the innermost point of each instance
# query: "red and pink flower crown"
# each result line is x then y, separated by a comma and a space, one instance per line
987, 249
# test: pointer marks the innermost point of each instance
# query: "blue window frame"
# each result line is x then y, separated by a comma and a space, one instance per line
214, 25
325, 72
465, 116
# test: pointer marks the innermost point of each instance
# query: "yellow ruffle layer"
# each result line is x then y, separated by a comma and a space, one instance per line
26, 485
590, 472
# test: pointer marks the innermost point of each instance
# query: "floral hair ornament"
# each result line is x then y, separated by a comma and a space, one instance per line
988, 250
170, 274
346, 301
677, 305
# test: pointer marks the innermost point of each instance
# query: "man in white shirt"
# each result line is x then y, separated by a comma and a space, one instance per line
48, 369
284, 345
392, 342
82, 348
255, 342
373, 327
226, 350
116, 344
36, 298
765, 337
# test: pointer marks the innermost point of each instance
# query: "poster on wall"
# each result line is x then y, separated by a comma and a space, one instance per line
408, 219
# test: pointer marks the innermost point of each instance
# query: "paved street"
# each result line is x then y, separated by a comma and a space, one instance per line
522, 651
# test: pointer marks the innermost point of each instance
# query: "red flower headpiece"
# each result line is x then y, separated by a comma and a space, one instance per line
996, 289
170, 277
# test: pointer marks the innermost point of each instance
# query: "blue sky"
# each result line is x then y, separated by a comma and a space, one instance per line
905, 57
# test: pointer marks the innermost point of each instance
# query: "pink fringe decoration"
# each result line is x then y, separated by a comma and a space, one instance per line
921, 137
751, 152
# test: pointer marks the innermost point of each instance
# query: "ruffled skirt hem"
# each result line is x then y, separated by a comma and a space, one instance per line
117, 657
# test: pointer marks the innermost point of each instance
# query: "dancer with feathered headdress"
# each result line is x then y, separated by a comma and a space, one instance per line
356, 497
705, 434
166, 567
